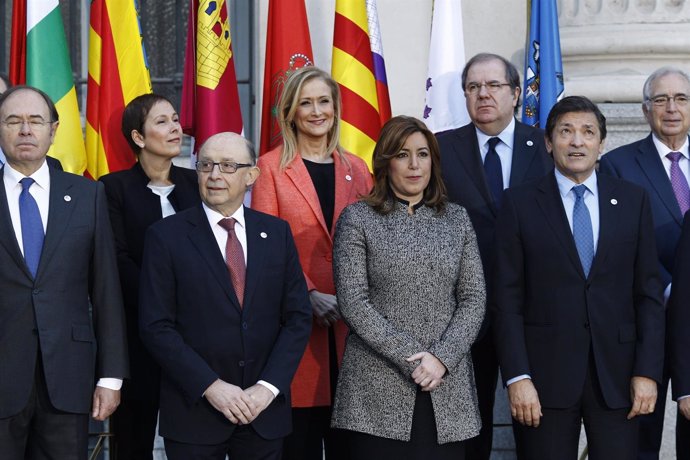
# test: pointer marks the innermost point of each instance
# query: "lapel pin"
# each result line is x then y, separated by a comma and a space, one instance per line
67, 198
348, 177
263, 235
530, 143
614, 201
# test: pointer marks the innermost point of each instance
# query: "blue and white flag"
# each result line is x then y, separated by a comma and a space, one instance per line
445, 107
543, 66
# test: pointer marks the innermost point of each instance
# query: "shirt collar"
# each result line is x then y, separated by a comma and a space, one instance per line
664, 150
214, 216
507, 136
41, 176
565, 185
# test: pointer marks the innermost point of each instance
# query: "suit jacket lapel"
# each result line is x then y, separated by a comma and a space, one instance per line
203, 239
554, 213
256, 251
344, 184
471, 160
653, 168
7, 237
298, 174
60, 208
608, 221
524, 150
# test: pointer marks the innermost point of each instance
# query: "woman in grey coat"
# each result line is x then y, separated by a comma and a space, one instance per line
410, 286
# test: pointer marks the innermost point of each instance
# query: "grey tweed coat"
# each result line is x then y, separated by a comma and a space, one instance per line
405, 284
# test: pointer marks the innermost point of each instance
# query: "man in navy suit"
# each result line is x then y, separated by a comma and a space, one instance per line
652, 163
492, 91
577, 313
228, 334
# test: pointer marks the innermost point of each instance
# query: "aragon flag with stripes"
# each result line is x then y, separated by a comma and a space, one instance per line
359, 69
39, 57
118, 73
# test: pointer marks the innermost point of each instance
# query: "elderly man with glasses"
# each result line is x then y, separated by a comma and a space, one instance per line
660, 164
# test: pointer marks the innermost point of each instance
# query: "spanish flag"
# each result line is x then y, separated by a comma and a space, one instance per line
118, 72
359, 69
39, 57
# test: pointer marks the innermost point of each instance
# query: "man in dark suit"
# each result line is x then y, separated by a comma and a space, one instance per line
492, 91
228, 338
577, 313
656, 163
61, 315
679, 340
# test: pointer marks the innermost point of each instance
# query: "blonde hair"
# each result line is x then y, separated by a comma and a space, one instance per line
287, 106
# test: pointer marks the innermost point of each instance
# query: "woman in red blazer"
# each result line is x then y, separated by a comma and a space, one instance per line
308, 181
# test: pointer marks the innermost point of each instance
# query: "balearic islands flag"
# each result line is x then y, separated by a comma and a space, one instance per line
117, 74
288, 47
39, 57
445, 101
354, 70
210, 100
543, 66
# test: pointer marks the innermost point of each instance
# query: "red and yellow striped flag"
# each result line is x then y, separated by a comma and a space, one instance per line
118, 72
359, 69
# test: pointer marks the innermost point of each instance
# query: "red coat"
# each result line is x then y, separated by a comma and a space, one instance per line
290, 195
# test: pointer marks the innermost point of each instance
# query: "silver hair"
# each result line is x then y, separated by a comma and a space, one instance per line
658, 73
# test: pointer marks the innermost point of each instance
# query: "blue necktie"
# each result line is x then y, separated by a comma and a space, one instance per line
582, 229
494, 172
32, 227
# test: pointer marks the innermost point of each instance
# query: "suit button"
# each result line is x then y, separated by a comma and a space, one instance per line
329, 257
244, 326
36, 291
241, 363
586, 325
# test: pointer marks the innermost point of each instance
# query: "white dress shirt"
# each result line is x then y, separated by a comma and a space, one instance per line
504, 149
40, 191
222, 237
164, 191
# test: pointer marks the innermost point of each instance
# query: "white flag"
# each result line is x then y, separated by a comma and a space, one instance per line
445, 101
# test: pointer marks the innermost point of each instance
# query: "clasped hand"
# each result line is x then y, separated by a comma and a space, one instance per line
430, 371
239, 406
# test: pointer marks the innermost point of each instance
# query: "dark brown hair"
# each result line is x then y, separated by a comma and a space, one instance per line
134, 116
393, 136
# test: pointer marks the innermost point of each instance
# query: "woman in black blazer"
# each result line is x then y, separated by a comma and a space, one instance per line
150, 190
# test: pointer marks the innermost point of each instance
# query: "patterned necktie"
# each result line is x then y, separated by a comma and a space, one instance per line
679, 182
234, 258
32, 226
582, 229
494, 172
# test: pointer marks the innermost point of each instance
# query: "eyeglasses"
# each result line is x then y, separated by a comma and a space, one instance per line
663, 99
35, 124
492, 87
227, 167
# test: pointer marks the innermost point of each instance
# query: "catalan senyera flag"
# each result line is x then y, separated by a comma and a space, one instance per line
39, 57
288, 47
118, 72
361, 76
543, 66
445, 107
210, 99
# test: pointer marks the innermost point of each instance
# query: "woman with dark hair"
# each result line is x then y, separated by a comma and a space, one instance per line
308, 181
150, 190
410, 286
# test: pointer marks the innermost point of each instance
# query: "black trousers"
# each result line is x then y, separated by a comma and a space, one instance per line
244, 444
485, 363
41, 432
134, 426
423, 444
652, 425
682, 437
311, 434
610, 435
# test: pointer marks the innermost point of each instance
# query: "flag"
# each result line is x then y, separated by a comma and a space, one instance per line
364, 109
118, 72
210, 100
39, 57
445, 107
288, 47
543, 67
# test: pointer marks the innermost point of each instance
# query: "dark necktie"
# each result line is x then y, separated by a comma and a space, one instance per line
234, 258
679, 182
582, 229
32, 226
494, 172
